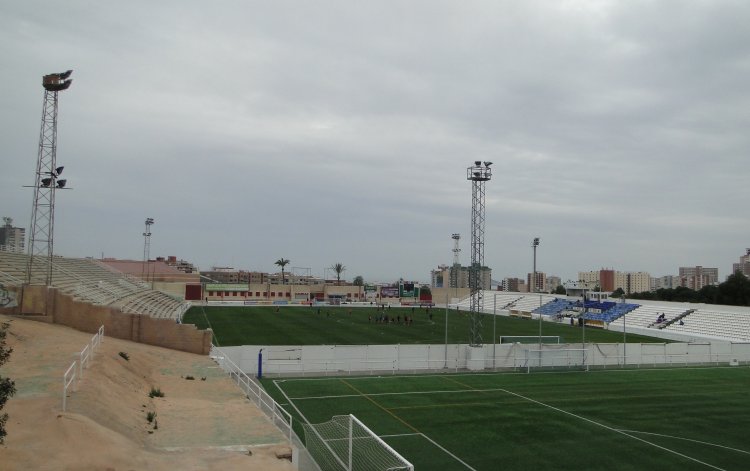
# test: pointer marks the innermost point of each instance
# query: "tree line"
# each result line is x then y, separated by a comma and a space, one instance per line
733, 292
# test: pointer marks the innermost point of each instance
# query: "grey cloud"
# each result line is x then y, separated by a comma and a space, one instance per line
339, 131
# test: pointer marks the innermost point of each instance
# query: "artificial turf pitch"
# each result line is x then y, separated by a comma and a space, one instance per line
665, 419
331, 325
657, 419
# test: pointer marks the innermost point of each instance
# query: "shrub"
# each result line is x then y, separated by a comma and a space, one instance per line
150, 416
125, 356
7, 387
155, 392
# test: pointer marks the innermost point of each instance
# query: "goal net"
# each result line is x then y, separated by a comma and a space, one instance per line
346, 444
556, 358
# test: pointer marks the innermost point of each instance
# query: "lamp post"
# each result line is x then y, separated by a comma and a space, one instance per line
534, 245
146, 248
624, 337
583, 316
446, 329
494, 336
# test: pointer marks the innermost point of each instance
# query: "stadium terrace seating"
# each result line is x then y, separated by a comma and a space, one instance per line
555, 307
714, 323
530, 302
504, 301
611, 312
89, 281
620, 309
646, 315
699, 321
493, 299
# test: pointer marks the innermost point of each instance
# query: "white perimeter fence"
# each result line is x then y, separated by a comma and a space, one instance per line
74, 373
391, 359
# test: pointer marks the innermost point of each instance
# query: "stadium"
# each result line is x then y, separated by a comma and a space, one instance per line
600, 373
353, 131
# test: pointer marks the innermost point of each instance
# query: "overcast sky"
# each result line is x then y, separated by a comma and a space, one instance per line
340, 131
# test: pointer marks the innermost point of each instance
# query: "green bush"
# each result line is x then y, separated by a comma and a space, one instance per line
155, 392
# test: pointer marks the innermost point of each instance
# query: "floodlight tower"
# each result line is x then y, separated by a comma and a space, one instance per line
456, 268
456, 250
146, 248
478, 174
46, 181
534, 245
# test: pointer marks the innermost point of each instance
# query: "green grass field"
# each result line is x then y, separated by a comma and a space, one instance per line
328, 325
659, 419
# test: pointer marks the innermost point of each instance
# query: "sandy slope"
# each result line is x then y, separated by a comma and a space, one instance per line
202, 424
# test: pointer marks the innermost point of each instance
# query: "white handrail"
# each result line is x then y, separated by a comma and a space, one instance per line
84, 359
271, 409
67, 382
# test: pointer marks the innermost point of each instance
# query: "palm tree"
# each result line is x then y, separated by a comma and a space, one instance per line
282, 262
339, 268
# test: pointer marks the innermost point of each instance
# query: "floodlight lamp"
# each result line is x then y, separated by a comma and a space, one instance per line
61, 183
65, 74
46, 182
59, 170
477, 163
536, 242
487, 164
56, 82
477, 174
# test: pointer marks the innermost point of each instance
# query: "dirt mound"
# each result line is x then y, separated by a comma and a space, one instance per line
202, 423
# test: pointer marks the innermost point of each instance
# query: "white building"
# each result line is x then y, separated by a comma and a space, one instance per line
744, 265
698, 277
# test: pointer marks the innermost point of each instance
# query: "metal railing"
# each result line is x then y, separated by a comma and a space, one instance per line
255, 392
74, 373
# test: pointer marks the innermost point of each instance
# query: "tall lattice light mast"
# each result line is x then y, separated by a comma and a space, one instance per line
456, 249
41, 237
146, 249
456, 268
478, 174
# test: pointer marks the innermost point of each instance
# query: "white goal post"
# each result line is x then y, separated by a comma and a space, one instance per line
346, 444
556, 358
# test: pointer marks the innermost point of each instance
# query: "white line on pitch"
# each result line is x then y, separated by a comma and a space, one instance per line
687, 439
448, 452
614, 430
403, 393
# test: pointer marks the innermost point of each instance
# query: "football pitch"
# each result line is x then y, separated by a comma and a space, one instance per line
657, 419
342, 325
